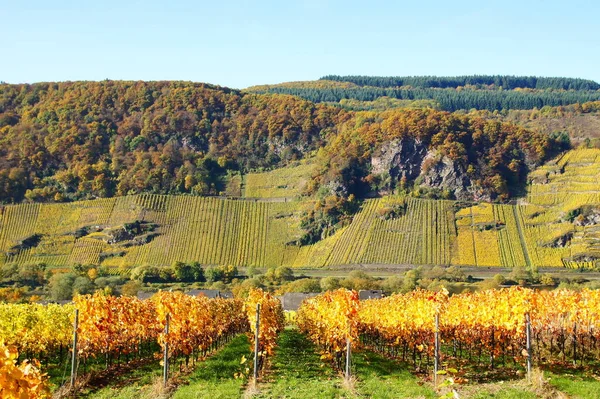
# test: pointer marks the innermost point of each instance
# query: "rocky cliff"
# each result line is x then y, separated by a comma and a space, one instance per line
400, 159
411, 160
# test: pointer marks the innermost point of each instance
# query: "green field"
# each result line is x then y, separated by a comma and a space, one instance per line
162, 229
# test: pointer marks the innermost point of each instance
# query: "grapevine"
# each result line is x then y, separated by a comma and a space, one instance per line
22, 381
330, 320
272, 320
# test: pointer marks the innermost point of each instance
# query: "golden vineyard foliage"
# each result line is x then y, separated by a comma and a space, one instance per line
20, 381
109, 324
564, 312
556, 228
492, 318
492, 321
272, 319
219, 231
404, 319
196, 322
35, 328
330, 319
495, 319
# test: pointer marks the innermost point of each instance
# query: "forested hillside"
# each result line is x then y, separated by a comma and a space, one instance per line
444, 82
83, 140
579, 122
463, 155
451, 93
77, 140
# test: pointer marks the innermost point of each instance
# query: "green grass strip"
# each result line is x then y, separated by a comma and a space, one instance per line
297, 371
214, 378
382, 378
137, 384
576, 385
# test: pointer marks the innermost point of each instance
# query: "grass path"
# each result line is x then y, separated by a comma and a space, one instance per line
381, 378
214, 377
140, 383
298, 372
577, 386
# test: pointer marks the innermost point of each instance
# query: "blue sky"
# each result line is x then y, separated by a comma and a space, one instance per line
242, 43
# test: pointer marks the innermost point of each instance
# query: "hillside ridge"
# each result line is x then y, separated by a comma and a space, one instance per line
453, 93
61, 142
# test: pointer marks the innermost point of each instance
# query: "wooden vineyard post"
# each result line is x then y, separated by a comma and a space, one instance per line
256, 346
492, 338
575, 344
166, 353
74, 354
529, 354
348, 354
436, 357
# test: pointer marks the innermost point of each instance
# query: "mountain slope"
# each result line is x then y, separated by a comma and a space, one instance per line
77, 140
84, 140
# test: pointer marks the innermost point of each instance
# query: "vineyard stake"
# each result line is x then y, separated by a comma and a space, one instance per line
74, 354
348, 354
529, 355
166, 353
436, 358
575, 344
493, 349
257, 327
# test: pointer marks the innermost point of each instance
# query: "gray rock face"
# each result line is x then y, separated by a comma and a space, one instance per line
561, 241
447, 174
411, 159
336, 187
592, 218
278, 146
399, 158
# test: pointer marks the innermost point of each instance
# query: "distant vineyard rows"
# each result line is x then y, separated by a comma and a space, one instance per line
247, 232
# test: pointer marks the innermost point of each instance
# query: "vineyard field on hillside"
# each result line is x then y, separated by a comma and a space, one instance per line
279, 183
557, 226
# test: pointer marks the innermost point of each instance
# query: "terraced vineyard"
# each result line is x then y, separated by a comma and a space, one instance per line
561, 218
285, 182
288, 182
123, 232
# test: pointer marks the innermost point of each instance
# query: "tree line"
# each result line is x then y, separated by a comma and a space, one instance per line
449, 99
505, 81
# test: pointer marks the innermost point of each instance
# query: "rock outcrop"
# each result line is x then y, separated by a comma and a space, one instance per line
588, 217
445, 174
412, 160
399, 158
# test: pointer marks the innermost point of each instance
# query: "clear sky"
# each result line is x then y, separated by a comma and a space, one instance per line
242, 43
